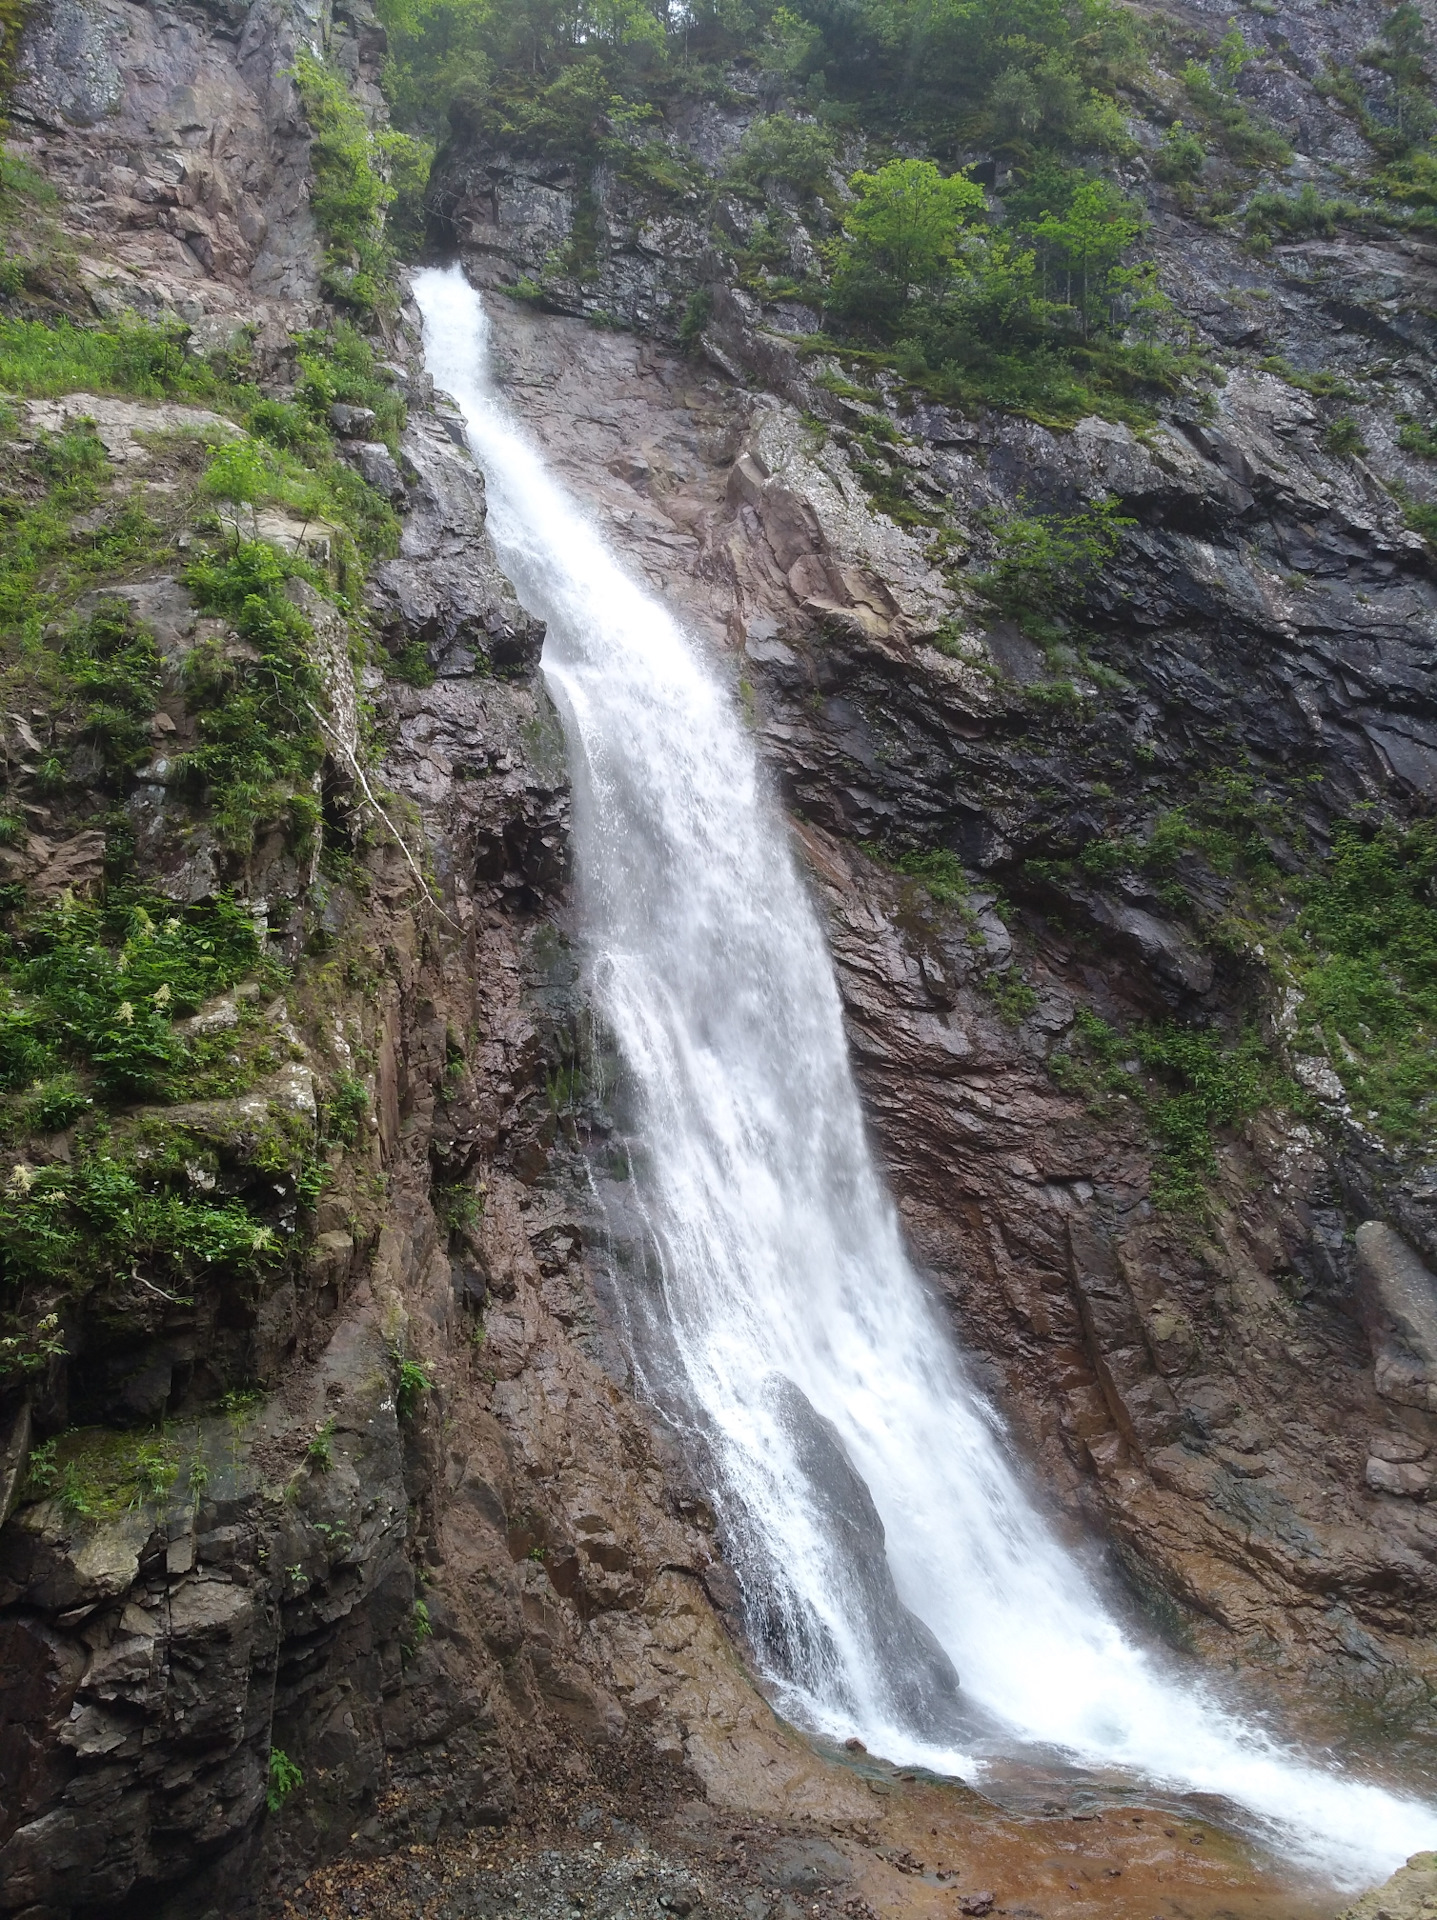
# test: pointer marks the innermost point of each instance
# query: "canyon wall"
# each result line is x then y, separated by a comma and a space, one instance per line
1211, 1391
404, 1523
397, 1524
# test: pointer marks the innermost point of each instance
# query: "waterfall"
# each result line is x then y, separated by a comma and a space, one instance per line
886, 1544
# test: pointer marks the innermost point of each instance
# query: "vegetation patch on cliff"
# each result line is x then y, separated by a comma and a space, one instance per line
1362, 955
356, 175
1188, 1083
90, 997
97, 1474
255, 706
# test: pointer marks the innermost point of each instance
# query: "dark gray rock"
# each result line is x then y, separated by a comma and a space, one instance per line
353, 422
446, 587
918, 1676
381, 470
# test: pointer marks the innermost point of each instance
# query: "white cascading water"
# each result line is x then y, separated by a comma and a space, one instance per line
819, 1377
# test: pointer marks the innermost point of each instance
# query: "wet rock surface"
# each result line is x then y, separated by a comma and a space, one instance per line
922, 1849
1162, 1379
350, 1608
212, 226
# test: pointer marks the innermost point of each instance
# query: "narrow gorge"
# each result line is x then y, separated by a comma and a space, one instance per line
720, 960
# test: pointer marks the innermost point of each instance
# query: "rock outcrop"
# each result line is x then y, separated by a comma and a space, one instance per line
1412, 1891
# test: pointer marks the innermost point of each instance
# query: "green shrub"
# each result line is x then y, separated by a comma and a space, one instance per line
796, 153
115, 669
1189, 1085
284, 1778
348, 192
31, 1352
285, 425
411, 664
1344, 436
1210, 88
1418, 439
1363, 951
1044, 562
1180, 155
1297, 214
343, 1110
1086, 242
939, 872
1207, 1087
1412, 182
239, 471
1323, 385
313, 485
81, 1224
140, 357
1403, 53
697, 315
456, 1205
1014, 998
98, 1474
1421, 516
411, 1384
53, 1104
407, 162
43, 567
1027, 316
356, 175
340, 365
100, 987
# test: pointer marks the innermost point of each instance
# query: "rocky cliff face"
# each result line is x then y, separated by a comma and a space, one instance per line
370, 1515
1210, 1390
401, 1522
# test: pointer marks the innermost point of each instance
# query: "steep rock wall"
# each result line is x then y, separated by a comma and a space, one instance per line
1207, 1397
444, 1602
359, 1545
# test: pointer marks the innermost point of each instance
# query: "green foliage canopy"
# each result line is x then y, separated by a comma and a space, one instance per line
901, 237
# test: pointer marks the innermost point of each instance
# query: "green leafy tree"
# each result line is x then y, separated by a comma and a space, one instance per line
942, 58
488, 58
798, 153
1233, 53
791, 45
901, 237
1045, 101
1403, 53
1088, 242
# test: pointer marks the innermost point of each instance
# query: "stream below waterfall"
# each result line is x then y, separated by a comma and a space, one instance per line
900, 1582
